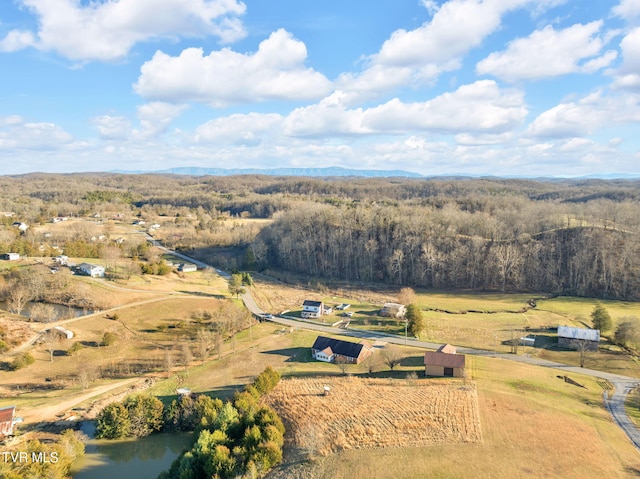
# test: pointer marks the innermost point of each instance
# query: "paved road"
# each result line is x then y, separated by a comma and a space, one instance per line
614, 401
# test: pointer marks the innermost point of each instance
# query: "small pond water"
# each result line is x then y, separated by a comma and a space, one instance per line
143, 458
64, 312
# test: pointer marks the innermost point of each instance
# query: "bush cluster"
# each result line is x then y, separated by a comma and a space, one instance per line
138, 415
58, 458
241, 438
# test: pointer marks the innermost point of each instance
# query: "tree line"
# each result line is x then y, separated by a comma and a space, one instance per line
576, 237
529, 247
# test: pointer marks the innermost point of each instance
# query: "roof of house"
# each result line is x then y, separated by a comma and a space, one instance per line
342, 348
308, 302
393, 305
434, 358
89, 265
447, 348
579, 333
6, 413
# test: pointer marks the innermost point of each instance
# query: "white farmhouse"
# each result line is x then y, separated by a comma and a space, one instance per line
311, 309
93, 270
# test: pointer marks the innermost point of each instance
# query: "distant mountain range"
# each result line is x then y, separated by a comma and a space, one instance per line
339, 171
329, 171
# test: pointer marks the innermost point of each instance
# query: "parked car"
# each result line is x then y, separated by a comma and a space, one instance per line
348, 314
267, 316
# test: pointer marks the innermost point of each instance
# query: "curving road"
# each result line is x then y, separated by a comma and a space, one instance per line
614, 402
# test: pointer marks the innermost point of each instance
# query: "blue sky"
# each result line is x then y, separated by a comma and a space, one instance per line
493, 87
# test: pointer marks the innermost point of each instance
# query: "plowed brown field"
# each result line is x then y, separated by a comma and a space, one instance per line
374, 413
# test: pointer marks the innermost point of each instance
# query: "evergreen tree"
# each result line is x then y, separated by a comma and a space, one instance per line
415, 321
600, 318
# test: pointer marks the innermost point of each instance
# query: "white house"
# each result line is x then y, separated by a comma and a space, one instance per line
187, 268
312, 309
93, 270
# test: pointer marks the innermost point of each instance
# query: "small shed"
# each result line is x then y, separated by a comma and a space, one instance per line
576, 338
65, 333
444, 362
187, 268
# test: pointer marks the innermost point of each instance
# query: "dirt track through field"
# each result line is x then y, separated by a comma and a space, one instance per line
45, 413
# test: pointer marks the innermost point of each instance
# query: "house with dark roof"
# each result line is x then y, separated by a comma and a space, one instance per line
7, 421
576, 338
332, 350
312, 309
444, 362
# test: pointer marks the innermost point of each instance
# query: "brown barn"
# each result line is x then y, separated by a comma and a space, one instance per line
6, 421
444, 362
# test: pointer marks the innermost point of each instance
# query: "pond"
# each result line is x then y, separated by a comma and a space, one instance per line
143, 458
63, 312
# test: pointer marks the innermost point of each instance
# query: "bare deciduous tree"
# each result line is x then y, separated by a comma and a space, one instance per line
406, 296
19, 296
203, 343
371, 363
343, 364
168, 361
186, 356
43, 313
52, 342
391, 355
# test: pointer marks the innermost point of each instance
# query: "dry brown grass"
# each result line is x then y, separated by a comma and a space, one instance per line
273, 296
374, 413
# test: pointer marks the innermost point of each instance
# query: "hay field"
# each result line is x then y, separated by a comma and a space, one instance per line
374, 413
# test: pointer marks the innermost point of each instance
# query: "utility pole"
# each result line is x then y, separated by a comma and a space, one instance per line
406, 322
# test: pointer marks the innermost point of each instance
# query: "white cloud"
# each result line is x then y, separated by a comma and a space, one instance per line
112, 127
275, 72
17, 40
456, 27
107, 30
478, 107
585, 117
329, 117
32, 136
628, 9
628, 75
549, 52
10, 120
419, 56
155, 117
238, 129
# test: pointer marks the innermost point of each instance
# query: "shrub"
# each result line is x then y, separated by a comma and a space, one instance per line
113, 422
145, 414
21, 361
108, 339
77, 346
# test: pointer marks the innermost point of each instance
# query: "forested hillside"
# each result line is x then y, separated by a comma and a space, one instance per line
576, 237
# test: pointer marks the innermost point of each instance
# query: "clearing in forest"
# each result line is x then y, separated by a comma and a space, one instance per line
373, 413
